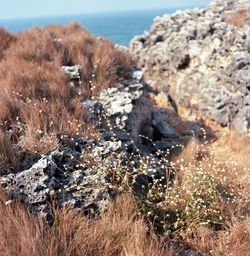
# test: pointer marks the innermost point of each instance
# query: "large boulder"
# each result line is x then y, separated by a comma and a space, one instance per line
201, 60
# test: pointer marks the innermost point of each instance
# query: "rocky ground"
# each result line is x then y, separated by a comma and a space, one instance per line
199, 60
193, 60
202, 60
131, 126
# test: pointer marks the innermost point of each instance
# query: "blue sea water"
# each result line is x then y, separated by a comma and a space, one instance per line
119, 27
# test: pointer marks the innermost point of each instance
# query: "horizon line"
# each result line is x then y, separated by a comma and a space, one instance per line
100, 12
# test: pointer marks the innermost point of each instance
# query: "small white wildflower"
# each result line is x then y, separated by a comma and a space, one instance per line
8, 202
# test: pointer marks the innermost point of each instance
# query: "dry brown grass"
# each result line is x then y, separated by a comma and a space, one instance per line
118, 232
230, 153
240, 18
122, 231
8, 158
73, 45
230, 242
227, 160
20, 233
6, 39
37, 103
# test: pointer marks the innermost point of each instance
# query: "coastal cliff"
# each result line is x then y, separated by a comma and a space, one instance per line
201, 57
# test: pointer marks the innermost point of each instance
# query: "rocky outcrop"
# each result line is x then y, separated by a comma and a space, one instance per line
81, 173
202, 61
62, 177
77, 175
128, 111
120, 104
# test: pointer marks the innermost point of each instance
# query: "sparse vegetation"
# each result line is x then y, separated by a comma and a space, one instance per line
37, 105
202, 206
207, 192
205, 208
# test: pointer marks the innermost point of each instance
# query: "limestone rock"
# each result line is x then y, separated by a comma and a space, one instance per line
73, 71
77, 175
201, 60
126, 108
74, 74
60, 177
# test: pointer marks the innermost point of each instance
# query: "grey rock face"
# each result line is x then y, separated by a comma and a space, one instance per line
61, 178
138, 76
238, 71
118, 102
241, 121
221, 104
126, 108
201, 60
74, 74
73, 71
